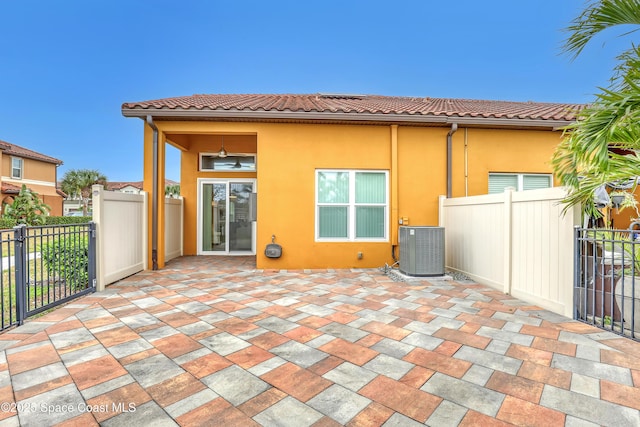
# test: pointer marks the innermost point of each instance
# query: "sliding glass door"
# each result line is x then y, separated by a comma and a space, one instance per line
226, 217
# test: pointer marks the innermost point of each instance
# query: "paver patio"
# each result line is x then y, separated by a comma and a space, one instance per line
212, 341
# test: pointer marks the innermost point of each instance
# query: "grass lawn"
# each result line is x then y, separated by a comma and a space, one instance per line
43, 288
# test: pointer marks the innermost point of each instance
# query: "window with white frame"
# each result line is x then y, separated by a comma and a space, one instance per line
498, 182
212, 162
16, 167
351, 205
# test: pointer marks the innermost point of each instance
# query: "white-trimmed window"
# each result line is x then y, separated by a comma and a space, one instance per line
212, 162
16, 167
520, 181
352, 205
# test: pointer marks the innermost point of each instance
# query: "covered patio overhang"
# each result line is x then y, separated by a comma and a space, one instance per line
193, 140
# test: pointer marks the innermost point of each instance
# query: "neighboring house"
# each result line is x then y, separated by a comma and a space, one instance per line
125, 187
134, 187
37, 171
73, 205
335, 175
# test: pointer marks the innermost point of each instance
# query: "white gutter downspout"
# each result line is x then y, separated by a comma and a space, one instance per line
454, 128
154, 196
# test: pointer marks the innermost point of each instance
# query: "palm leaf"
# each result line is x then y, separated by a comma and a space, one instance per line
597, 17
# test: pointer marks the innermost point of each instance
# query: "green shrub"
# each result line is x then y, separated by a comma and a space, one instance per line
68, 260
64, 220
27, 208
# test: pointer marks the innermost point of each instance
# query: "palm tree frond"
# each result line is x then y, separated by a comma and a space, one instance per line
597, 17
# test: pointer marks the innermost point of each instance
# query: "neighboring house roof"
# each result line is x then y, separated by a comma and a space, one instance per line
16, 150
369, 108
7, 188
115, 186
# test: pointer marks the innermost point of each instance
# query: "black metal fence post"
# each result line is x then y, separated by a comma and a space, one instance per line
20, 272
577, 249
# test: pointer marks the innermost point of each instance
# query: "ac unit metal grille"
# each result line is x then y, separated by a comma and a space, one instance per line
422, 250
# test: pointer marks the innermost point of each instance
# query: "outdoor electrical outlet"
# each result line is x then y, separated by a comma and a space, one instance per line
359, 255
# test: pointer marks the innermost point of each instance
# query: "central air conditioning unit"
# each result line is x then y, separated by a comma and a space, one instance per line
422, 251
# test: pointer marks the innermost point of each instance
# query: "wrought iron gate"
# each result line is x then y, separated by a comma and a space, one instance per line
607, 279
43, 267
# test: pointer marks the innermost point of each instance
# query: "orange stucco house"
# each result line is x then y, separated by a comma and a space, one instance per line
19, 165
330, 177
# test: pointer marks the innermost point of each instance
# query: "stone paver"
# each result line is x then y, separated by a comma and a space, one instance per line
153, 370
212, 340
235, 384
588, 408
388, 366
483, 400
338, 403
288, 412
224, 343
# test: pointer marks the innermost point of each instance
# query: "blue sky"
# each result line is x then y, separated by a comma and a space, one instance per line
67, 66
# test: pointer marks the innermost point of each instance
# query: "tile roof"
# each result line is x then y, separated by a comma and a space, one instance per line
376, 106
119, 185
113, 186
6, 188
16, 150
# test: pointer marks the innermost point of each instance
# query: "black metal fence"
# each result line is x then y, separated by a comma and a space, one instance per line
43, 267
607, 279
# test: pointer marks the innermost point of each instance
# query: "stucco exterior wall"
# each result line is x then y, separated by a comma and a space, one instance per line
288, 157
491, 150
289, 154
32, 169
55, 203
38, 176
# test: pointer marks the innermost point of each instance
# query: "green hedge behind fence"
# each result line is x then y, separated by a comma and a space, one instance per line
6, 223
63, 220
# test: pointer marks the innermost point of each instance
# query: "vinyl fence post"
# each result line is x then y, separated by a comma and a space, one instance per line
20, 272
92, 255
508, 239
99, 227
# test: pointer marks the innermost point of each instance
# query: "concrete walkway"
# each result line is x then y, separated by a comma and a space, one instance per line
210, 341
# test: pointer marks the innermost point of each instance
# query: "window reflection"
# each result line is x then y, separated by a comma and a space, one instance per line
231, 163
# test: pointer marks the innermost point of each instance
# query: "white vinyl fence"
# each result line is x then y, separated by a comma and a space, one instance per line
121, 224
172, 228
517, 242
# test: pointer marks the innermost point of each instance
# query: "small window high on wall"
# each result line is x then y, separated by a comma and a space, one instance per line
231, 163
520, 181
16, 167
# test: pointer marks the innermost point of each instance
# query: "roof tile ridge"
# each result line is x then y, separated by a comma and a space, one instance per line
33, 153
